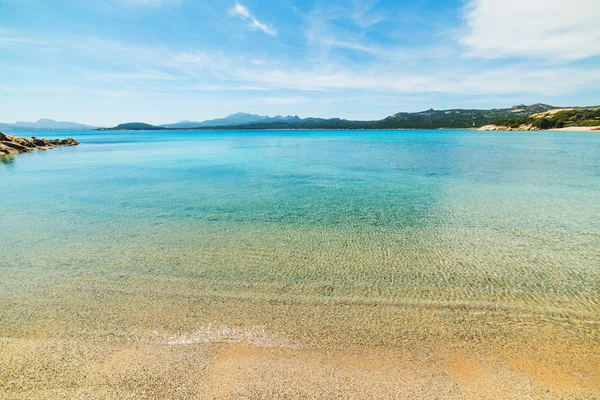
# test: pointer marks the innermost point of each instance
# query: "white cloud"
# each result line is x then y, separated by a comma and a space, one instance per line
241, 11
556, 30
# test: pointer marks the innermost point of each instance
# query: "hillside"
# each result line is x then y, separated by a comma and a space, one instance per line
557, 118
457, 118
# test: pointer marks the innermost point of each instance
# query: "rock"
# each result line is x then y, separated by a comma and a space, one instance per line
493, 128
39, 142
523, 127
527, 127
24, 142
11, 144
7, 150
16, 146
70, 142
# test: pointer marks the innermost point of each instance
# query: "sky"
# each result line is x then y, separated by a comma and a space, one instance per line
104, 62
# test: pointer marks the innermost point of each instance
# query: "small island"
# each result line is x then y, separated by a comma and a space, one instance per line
11, 144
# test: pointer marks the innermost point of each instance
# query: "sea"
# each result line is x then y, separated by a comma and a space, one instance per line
414, 243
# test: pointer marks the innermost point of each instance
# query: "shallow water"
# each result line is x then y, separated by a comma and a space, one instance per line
324, 240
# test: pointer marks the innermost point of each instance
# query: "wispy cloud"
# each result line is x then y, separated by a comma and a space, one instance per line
7, 39
343, 26
556, 30
328, 42
242, 12
147, 2
146, 74
362, 14
205, 87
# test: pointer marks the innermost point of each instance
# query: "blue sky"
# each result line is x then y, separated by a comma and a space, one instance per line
104, 62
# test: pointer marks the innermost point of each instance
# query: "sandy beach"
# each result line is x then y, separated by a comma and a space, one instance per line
578, 129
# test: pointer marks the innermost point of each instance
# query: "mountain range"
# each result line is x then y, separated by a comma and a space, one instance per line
46, 124
543, 116
231, 120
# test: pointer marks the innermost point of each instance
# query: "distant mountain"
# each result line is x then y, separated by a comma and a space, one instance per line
46, 124
430, 119
231, 120
279, 118
134, 126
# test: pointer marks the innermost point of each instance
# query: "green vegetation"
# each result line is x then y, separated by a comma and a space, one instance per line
561, 119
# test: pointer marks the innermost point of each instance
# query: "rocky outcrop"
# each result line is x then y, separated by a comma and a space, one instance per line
523, 127
11, 144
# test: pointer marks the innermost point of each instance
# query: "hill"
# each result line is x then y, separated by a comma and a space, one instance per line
457, 118
133, 126
557, 118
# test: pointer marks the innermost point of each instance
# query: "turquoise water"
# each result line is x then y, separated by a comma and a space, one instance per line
462, 217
